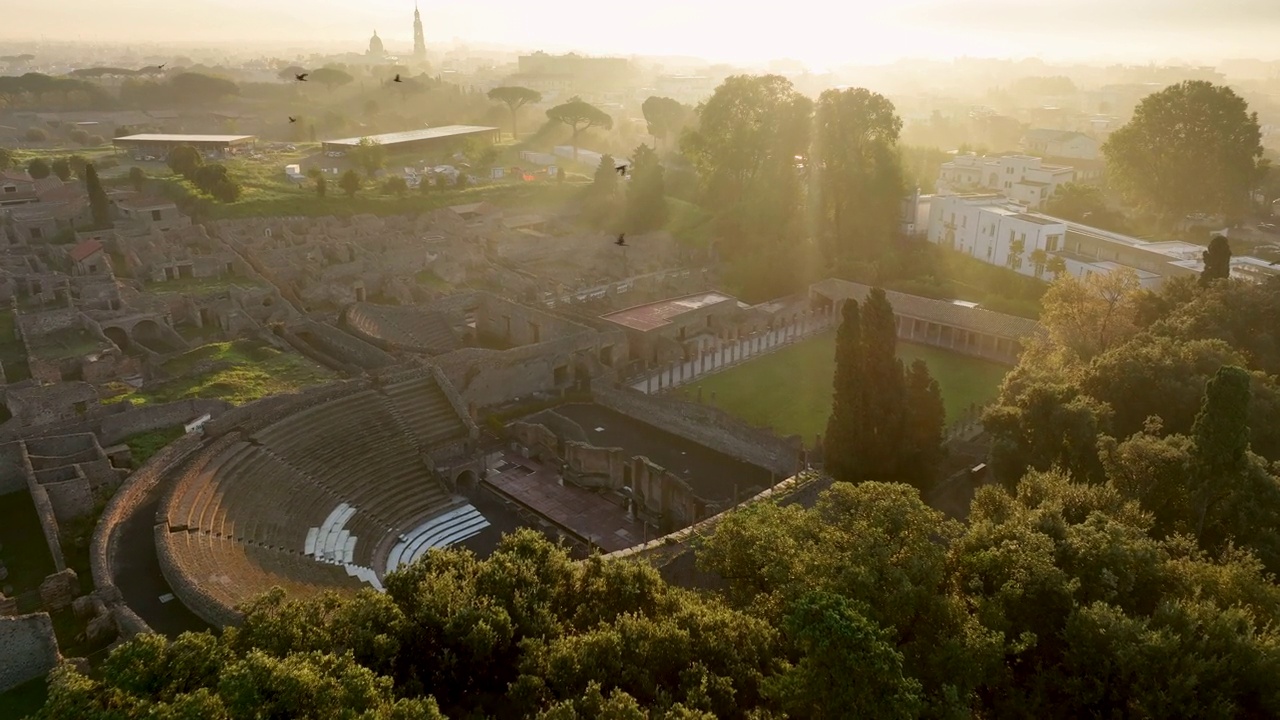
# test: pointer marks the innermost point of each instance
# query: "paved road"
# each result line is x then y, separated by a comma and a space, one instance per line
136, 571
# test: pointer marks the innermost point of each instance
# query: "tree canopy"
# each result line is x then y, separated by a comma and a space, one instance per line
579, 115
331, 77
99, 206
514, 97
1192, 147
664, 117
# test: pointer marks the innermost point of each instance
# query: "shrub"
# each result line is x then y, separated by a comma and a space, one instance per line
37, 135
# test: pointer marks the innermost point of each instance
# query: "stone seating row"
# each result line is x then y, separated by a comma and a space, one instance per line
426, 410
446, 529
234, 571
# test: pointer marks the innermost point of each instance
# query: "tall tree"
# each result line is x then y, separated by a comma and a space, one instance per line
664, 117
646, 192
750, 136
856, 173
1217, 261
604, 205
1221, 437
137, 177
514, 97
580, 115
1084, 318
883, 450
6, 158
38, 169
926, 417
1192, 147
99, 206
842, 443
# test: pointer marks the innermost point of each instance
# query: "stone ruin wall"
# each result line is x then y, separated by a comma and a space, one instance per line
30, 649
48, 522
134, 493
487, 378
706, 426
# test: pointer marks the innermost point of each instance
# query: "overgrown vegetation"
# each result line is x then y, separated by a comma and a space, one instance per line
142, 447
240, 371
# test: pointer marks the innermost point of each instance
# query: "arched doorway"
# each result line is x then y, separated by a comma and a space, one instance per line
466, 480
119, 337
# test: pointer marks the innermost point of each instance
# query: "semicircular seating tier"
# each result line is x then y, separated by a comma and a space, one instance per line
330, 497
409, 328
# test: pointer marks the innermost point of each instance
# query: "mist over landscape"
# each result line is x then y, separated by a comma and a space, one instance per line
410, 360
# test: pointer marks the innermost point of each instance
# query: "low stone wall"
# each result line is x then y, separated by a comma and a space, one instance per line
344, 346
28, 649
132, 494
13, 476
487, 378
707, 426
675, 543
149, 418
48, 522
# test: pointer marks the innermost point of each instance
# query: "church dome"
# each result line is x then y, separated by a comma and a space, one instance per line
375, 44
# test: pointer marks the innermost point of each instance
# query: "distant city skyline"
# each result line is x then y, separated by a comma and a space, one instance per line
748, 32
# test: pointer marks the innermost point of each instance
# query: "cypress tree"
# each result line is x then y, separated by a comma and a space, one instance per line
885, 392
842, 443
926, 416
98, 204
1219, 461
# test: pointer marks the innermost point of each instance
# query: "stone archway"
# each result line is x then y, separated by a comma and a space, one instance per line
118, 336
466, 479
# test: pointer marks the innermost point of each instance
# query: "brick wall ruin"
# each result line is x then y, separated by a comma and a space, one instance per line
28, 649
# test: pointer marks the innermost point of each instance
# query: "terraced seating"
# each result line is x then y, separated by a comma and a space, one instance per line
411, 328
234, 571
441, 531
426, 411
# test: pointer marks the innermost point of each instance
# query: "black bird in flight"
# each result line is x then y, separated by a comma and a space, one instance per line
622, 170
621, 241
302, 77
293, 119
397, 78
161, 66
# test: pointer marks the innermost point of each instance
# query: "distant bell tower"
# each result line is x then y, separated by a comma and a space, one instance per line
419, 42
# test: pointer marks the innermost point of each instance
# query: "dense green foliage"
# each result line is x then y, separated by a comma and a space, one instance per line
665, 118
1192, 147
886, 420
646, 192
38, 169
579, 115
1217, 261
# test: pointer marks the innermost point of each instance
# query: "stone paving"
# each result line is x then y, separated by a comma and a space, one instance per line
584, 513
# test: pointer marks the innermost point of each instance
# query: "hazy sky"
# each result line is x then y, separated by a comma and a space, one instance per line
819, 32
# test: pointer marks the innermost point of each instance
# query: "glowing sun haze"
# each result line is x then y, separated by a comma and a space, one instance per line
819, 32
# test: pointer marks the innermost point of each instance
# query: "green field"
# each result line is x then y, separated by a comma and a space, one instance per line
790, 390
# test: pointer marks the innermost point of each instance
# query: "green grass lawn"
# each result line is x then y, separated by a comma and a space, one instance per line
247, 370
790, 390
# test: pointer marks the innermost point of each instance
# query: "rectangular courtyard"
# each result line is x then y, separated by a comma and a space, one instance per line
790, 389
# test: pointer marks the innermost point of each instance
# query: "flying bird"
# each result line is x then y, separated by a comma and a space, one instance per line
622, 170
293, 119
302, 77
621, 241
397, 78
161, 66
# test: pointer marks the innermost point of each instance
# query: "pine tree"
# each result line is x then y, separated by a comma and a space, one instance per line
842, 443
99, 206
922, 430
885, 392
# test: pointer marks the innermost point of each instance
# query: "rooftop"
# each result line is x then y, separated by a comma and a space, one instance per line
444, 131
657, 314
167, 137
84, 250
940, 311
1037, 219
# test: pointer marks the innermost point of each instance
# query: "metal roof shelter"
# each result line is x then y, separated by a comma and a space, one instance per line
427, 139
164, 142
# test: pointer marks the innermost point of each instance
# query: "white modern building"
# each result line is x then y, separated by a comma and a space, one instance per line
995, 230
1022, 178
1061, 144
